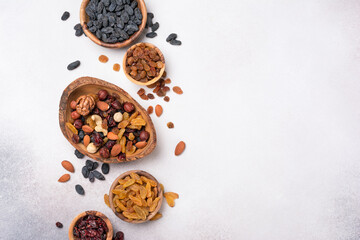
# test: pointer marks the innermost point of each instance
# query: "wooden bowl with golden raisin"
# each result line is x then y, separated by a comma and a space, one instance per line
109, 234
148, 55
135, 196
123, 134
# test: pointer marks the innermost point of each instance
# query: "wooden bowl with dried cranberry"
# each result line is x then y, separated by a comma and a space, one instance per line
104, 122
135, 196
91, 224
143, 64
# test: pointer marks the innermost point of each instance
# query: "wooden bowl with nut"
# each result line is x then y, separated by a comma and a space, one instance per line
119, 35
143, 64
91, 220
104, 122
135, 196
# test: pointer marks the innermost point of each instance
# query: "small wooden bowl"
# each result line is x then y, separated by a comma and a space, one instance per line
87, 85
116, 182
84, 18
110, 233
154, 79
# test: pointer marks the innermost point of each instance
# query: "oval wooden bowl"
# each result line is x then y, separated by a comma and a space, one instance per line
116, 182
84, 18
87, 85
153, 80
98, 214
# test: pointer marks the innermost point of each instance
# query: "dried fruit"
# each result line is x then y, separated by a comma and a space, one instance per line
150, 110
72, 128
105, 168
171, 37
103, 59
175, 42
151, 34
64, 178
170, 198
65, 16
170, 125
177, 90
79, 189
166, 99
167, 81
98, 175
59, 224
116, 67
119, 235
180, 147
68, 166
156, 217
85, 172
158, 110
73, 65
106, 200
90, 227
141, 91
78, 154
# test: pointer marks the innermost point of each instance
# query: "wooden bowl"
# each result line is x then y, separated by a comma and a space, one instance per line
110, 233
87, 85
116, 182
84, 18
154, 79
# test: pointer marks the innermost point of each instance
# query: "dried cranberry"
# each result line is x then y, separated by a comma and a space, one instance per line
111, 122
96, 111
144, 135
119, 236
78, 124
109, 144
104, 114
97, 139
104, 152
90, 227
110, 99
122, 156
75, 138
111, 111
59, 225
116, 104
129, 130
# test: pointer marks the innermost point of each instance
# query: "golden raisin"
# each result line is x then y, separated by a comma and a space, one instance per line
156, 217
116, 67
103, 58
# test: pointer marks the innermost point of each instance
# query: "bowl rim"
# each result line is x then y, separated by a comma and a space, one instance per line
109, 234
64, 105
141, 173
132, 38
154, 80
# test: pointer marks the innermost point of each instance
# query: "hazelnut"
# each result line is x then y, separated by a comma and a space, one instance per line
102, 94
116, 104
144, 135
85, 104
73, 104
78, 124
128, 107
104, 152
75, 115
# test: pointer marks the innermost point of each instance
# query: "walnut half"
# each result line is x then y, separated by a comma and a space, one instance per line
85, 104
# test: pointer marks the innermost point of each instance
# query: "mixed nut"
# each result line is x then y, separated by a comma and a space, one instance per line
105, 125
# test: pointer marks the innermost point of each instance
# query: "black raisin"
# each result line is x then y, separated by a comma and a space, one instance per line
151, 34
171, 37
134, 4
91, 177
105, 168
78, 154
95, 165
79, 189
175, 42
138, 14
81, 135
65, 16
98, 175
125, 17
77, 26
59, 224
79, 32
155, 26
129, 10
112, 6
85, 172
89, 164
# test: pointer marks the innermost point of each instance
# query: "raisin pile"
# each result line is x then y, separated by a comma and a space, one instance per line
90, 227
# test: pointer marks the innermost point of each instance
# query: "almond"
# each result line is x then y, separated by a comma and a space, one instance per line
158, 110
112, 136
103, 106
86, 140
87, 129
68, 166
177, 90
140, 145
64, 178
180, 147
116, 149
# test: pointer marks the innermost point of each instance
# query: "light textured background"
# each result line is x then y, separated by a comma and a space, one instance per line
270, 115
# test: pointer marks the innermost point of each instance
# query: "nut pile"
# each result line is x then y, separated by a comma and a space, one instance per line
105, 125
143, 63
136, 196
90, 227
113, 21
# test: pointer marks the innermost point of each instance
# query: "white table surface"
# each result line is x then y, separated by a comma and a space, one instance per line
270, 115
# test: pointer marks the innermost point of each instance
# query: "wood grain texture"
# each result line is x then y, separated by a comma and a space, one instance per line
153, 80
87, 85
110, 233
84, 18
140, 173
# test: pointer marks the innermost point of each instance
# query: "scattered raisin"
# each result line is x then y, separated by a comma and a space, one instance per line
103, 59
65, 16
116, 67
166, 99
79, 189
78, 154
170, 125
150, 110
59, 224
73, 65
105, 168
150, 96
